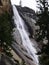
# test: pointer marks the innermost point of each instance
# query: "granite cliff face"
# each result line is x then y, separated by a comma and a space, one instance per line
29, 16
26, 10
24, 34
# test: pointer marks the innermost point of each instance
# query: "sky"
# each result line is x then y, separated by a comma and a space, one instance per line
29, 3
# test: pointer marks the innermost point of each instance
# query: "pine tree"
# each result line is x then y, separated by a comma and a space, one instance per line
43, 32
6, 30
43, 22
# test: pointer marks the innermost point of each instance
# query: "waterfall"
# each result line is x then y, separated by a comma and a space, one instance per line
25, 38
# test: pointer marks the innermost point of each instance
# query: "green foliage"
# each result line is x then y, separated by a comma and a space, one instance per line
44, 59
43, 22
6, 30
43, 32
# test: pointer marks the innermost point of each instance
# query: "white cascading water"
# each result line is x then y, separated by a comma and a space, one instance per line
25, 38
